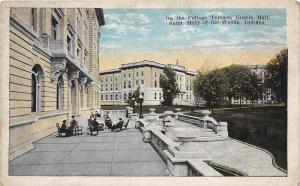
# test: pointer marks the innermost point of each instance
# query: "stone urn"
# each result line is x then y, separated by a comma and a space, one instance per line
177, 111
206, 113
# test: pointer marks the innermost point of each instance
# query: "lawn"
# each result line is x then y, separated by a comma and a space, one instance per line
264, 127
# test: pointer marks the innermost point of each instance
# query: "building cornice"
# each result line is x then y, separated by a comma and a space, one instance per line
29, 33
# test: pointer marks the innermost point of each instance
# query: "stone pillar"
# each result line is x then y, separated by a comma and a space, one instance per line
222, 129
147, 136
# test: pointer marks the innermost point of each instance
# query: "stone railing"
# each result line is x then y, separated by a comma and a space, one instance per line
206, 122
179, 163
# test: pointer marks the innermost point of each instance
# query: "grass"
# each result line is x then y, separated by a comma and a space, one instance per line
265, 127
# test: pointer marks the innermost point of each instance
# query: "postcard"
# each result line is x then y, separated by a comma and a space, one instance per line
160, 93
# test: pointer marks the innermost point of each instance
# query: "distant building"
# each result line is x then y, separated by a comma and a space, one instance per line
117, 84
53, 70
260, 71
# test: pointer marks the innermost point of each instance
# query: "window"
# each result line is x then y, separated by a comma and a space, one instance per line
101, 97
116, 97
69, 43
154, 95
59, 93
124, 75
106, 97
155, 83
154, 74
187, 97
116, 86
129, 75
137, 82
101, 87
190, 97
33, 18
105, 79
159, 95
142, 73
36, 88
111, 87
54, 23
106, 88
111, 97
137, 74
78, 52
124, 84
142, 81
125, 96
129, 84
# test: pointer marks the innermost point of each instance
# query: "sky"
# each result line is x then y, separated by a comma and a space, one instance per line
131, 35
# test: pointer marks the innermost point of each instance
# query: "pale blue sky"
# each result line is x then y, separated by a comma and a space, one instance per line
145, 30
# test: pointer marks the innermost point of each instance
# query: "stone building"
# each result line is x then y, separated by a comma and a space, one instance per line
117, 84
54, 68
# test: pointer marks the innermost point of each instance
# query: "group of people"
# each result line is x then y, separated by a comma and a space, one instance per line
109, 124
69, 130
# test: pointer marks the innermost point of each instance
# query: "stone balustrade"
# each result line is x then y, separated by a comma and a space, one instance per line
179, 163
206, 122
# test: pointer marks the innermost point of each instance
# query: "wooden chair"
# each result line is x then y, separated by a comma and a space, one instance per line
59, 131
125, 126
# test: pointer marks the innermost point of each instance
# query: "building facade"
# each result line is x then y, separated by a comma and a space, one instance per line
117, 84
260, 71
53, 73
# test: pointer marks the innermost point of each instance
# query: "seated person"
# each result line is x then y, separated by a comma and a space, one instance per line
96, 125
108, 123
71, 128
64, 128
118, 125
74, 121
97, 113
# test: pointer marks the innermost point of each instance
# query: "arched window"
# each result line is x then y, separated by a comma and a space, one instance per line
36, 88
155, 83
59, 93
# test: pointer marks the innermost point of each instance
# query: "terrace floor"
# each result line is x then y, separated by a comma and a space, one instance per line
107, 154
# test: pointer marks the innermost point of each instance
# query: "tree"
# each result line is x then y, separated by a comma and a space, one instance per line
196, 88
134, 97
276, 76
237, 82
252, 87
210, 87
169, 85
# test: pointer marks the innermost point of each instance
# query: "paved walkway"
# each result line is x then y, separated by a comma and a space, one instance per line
107, 154
228, 153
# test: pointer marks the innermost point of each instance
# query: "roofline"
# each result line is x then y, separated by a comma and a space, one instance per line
149, 64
